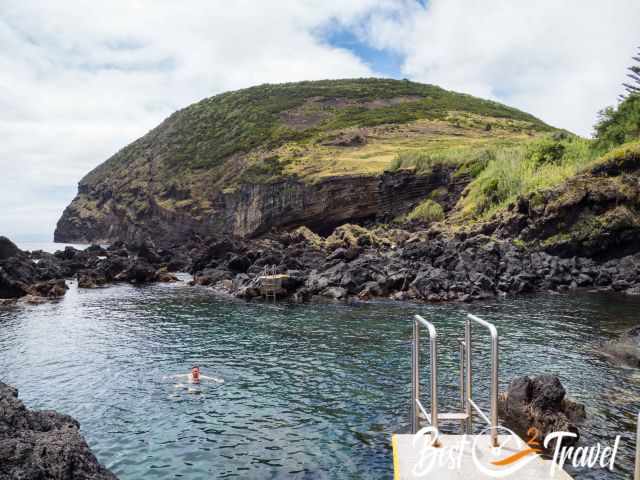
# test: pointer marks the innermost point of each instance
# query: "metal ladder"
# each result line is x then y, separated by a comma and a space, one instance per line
268, 282
466, 415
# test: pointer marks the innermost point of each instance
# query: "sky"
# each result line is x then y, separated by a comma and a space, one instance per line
81, 79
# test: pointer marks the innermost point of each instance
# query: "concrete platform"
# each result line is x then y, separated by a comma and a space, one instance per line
414, 458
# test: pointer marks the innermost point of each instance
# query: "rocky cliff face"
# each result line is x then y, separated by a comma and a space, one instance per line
254, 209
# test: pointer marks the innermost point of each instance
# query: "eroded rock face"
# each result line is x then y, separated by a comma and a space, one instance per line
254, 209
38, 445
540, 402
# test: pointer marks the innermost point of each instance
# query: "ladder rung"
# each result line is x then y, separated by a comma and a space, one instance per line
450, 416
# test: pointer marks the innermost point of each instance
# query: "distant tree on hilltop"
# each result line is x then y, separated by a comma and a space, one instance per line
634, 87
617, 125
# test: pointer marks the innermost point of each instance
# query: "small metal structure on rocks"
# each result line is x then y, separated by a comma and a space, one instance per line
270, 282
409, 458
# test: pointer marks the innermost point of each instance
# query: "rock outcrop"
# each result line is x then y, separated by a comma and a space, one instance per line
254, 209
595, 214
540, 402
135, 263
20, 276
38, 445
352, 263
360, 263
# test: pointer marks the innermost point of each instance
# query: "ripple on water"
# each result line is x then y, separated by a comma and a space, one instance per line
310, 391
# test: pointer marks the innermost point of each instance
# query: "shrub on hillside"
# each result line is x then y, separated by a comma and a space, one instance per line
618, 125
428, 211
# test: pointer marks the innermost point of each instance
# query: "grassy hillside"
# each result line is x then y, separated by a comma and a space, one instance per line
269, 130
308, 131
556, 161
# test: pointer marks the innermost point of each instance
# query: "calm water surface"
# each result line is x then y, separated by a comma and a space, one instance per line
311, 391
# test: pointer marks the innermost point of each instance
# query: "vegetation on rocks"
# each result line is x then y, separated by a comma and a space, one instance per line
426, 212
523, 169
207, 133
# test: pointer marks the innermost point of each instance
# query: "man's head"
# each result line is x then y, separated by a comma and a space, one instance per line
195, 372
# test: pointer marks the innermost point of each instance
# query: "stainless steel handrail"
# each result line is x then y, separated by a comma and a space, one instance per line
416, 405
637, 471
493, 420
466, 372
463, 402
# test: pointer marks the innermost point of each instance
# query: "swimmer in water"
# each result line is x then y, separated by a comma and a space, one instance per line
196, 377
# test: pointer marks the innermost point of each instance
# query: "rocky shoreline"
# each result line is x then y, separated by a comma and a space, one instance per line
43, 444
353, 263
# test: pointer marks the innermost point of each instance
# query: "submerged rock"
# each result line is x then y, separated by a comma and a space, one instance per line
625, 349
540, 402
43, 444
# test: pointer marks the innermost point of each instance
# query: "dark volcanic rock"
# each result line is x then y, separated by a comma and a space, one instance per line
37, 445
593, 214
9, 287
17, 271
540, 402
50, 268
49, 289
8, 249
138, 271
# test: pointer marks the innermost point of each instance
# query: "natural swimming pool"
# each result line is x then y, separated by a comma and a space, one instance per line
311, 391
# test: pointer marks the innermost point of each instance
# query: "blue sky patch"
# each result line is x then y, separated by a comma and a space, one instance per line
383, 62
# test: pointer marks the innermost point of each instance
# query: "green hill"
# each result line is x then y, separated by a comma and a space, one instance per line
242, 162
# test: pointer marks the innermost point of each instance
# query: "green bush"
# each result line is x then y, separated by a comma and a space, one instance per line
468, 160
618, 125
262, 171
428, 211
475, 162
547, 150
421, 162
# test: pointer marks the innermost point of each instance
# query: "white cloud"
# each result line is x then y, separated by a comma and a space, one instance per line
560, 60
81, 79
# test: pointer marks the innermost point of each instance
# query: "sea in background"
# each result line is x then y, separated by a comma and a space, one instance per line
311, 391
50, 247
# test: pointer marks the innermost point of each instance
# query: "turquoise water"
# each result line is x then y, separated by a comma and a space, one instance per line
311, 391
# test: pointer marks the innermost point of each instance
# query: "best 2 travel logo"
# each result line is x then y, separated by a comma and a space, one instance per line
512, 453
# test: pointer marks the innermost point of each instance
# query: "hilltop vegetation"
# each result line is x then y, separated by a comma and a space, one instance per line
301, 117
184, 173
